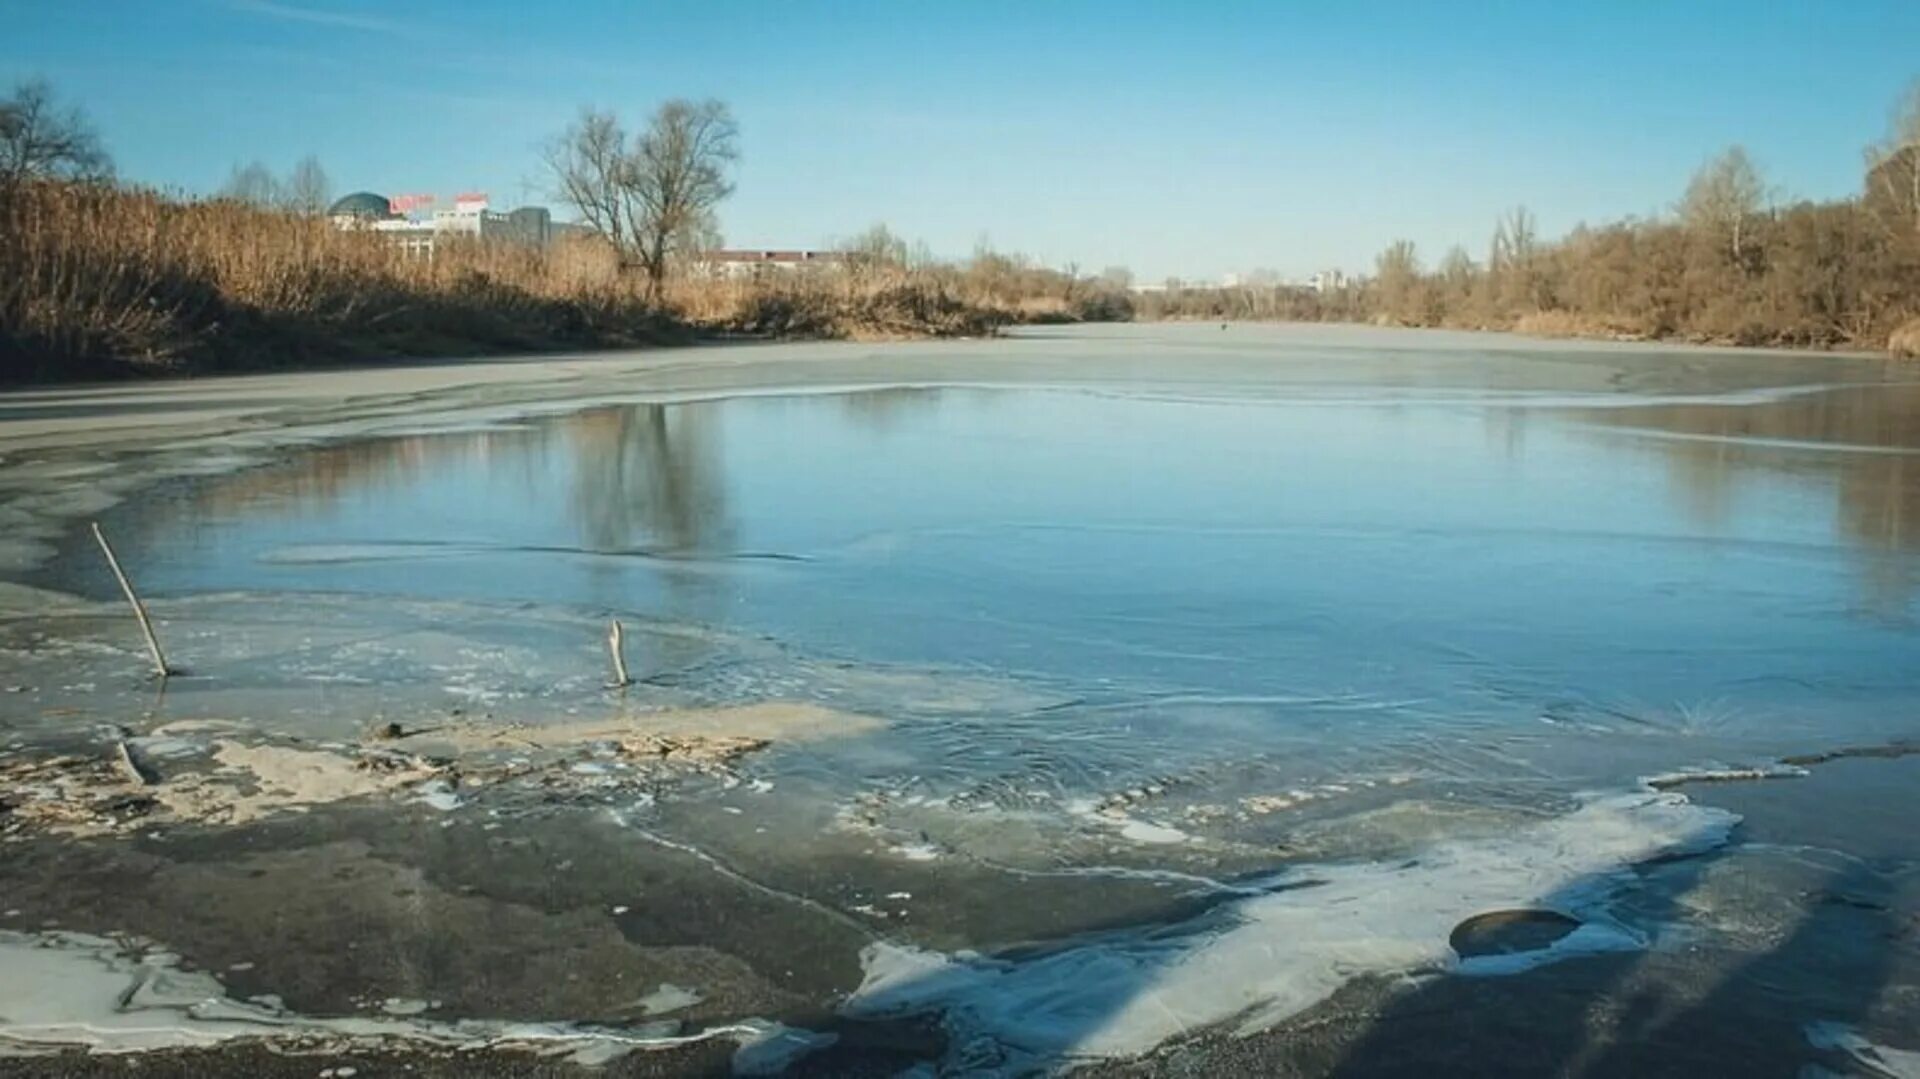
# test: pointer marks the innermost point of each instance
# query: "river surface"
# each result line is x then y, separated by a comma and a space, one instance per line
1185, 645
1461, 583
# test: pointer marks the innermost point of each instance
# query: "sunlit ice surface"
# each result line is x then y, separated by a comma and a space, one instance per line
1159, 670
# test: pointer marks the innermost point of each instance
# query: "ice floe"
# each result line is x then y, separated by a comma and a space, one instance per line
1258, 960
71, 990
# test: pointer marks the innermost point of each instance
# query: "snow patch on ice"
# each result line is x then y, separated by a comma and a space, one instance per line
776, 1048
667, 998
1259, 960
68, 990
1140, 831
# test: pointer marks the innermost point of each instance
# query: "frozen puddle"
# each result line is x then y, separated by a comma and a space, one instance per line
71, 990
1263, 959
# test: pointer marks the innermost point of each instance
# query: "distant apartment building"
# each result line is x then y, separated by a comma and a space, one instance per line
749, 263
1329, 281
416, 223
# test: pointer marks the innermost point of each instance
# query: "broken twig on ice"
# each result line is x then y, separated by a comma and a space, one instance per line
129, 767
617, 645
139, 609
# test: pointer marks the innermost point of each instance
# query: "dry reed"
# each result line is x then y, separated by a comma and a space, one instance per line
98, 281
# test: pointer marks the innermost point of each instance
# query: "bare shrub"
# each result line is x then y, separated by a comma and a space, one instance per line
1905, 341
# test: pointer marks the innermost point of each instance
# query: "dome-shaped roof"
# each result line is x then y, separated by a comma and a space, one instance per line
362, 204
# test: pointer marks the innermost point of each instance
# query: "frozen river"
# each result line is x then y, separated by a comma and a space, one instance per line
1202, 675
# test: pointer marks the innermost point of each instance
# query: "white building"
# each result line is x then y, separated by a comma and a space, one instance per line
1329, 281
748, 263
421, 226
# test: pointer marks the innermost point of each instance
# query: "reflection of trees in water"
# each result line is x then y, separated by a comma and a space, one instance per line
884, 409
1880, 507
312, 480
1877, 488
643, 475
647, 476
1506, 427
650, 477
1703, 478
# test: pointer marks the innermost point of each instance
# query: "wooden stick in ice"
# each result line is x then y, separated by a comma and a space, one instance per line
617, 645
139, 609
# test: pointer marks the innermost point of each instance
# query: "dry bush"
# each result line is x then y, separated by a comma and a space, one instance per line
1905, 341
97, 281
1819, 275
1571, 324
835, 302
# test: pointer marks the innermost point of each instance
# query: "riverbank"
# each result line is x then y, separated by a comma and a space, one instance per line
101, 282
1813, 967
104, 283
1223, 307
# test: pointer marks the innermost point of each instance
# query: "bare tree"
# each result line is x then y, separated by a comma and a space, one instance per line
1458, 277
1893, 166
38, 140
1119, 278
1397, 276
1722, 195
1513, 270
307, 189
253, 183
593, 173
878, 246
1523, 238
652, 195
679, 176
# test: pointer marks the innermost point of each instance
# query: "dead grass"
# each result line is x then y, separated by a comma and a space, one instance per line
1573, 324
1905, 341
833, 303
98, 282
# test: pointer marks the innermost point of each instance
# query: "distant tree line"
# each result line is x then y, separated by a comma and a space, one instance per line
1729, 265
304, 190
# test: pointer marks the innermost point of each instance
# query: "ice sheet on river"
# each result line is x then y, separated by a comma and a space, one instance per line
1263, 959
67, 990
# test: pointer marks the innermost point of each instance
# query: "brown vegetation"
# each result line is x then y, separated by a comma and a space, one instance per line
1725, 268
832, 305
1905, 341
1812, 274
97, 281
1820, 275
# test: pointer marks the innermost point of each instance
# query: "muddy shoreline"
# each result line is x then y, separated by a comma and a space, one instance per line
1674, 1009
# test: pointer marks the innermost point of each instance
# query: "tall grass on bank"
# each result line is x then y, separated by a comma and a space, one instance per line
1905, 341
97, 282
878, 300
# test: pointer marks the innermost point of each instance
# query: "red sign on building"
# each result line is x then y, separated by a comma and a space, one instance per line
407, 204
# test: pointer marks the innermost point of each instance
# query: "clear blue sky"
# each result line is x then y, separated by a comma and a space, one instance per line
1188, 139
